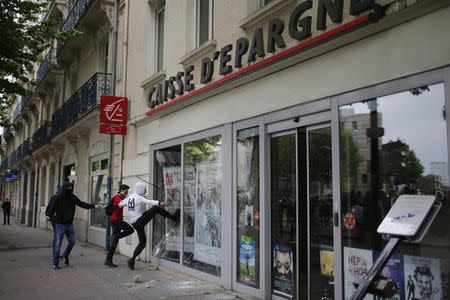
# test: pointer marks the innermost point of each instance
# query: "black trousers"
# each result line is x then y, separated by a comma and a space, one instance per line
120, 229
143, 220
6, 215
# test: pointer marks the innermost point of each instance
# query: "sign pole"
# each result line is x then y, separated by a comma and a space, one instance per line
109, 189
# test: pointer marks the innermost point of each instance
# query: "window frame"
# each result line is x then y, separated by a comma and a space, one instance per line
91, 173
158, 11
393, 86
225, 132
197, 41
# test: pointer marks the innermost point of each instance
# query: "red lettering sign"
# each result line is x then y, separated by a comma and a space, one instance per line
113, 129
113, 109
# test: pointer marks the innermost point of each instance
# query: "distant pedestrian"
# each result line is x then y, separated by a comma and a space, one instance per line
140, 216
119, 227
64, 211
51, 218
6, 206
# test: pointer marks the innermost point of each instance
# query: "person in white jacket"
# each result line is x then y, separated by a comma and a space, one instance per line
140, 216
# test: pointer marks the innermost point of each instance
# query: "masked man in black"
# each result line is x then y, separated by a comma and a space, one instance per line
63, 211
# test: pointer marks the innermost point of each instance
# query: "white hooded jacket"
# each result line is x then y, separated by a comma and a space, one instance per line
136, 202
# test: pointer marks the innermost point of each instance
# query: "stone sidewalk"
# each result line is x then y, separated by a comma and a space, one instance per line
25, 273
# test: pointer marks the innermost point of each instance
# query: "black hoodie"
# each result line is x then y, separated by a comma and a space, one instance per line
63, 208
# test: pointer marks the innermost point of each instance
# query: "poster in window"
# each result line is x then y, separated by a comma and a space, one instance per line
283, 270
207, 235
172, 194
422, 278
394, 271
189, 198
357, 263
327, 273
247, 265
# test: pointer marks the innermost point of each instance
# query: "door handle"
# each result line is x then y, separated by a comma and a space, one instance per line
336, 219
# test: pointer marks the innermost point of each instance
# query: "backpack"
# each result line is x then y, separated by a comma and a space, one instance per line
109, 209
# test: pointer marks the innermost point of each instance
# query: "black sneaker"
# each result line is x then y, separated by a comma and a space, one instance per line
130, 263
109, 263
55, 267
66, 261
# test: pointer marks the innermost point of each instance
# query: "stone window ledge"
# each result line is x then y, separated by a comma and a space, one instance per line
198, 52
268, 10
152, 80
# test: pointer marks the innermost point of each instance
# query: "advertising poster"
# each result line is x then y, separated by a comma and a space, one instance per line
283, 270
172, 193
207, 213
394, 271
357, 263
247, 272
327, 273
422, 278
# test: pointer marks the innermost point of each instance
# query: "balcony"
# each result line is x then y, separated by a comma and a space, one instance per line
41, 136
5, 164
48, 63
79, 9
81, 103
14, 158
18, 110
24, 150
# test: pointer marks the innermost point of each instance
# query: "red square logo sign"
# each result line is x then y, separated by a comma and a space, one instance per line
113, 109
113, 129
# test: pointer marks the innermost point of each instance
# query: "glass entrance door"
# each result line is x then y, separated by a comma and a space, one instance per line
301, 214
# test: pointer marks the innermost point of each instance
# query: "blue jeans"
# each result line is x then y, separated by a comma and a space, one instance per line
62, 229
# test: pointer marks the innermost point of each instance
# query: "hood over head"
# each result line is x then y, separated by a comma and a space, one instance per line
67, 188
140, 189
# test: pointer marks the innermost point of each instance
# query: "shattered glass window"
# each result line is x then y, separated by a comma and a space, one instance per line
202, 204
247, 192
166, 234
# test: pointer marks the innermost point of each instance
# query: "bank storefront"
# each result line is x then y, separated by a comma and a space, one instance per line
283, 181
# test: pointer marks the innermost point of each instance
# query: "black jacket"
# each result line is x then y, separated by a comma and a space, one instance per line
50, 205
63, 207
6, 206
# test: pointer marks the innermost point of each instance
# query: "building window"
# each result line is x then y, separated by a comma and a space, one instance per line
247, 193
364, 178
406, 136
160, 15
98, 191
263, 3
105, 58
355, 125
204, 21
190, 177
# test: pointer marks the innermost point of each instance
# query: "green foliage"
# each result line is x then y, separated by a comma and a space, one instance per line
25, 35
401, 161
202, 150
350, 159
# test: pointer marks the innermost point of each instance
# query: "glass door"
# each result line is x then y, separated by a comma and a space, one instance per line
320, 211
283, 152
301, 214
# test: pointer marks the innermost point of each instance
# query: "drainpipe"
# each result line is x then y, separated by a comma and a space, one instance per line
111, 137
125, 73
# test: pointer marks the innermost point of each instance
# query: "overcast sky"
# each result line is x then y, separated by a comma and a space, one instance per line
417, 121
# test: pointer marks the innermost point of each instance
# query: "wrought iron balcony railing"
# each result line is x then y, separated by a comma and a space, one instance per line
41, 136
78, 10
25, 149
14, 158
81, 103
17, 111
48, 63
5, 164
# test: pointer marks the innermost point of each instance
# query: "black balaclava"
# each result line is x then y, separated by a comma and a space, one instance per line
67, 188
